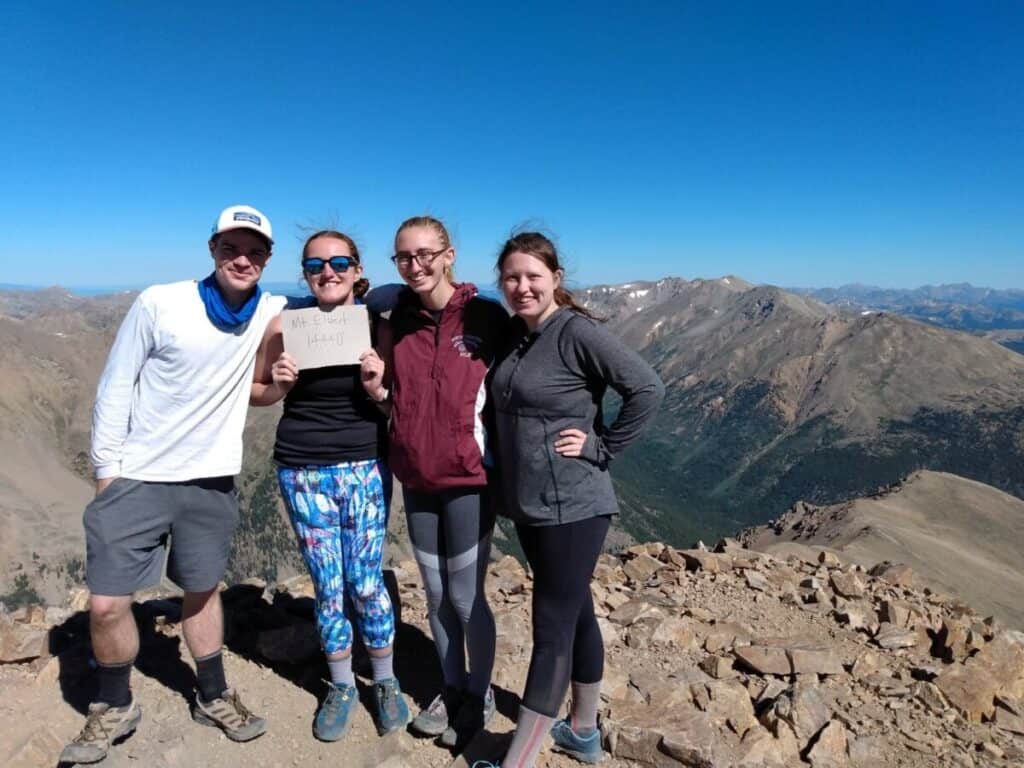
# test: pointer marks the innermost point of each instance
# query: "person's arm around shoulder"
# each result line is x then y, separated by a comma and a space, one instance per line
111, 414
504, 330
602, 356
275, 372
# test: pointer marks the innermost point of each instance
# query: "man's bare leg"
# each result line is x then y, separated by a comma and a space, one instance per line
115, 636
216, 705
115, 643
203, 622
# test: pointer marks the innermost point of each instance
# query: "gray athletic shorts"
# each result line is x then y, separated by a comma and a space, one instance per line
129, 525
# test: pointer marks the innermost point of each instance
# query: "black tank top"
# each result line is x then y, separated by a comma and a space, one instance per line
328, 418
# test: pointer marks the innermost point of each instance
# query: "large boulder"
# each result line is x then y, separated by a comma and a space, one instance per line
847, 585
998, 669
728, 704
805, 711
655, 737
896, 574
786, 659
21, 642
830, 748
642, 567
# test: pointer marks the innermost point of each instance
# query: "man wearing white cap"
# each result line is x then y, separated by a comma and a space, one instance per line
166, 444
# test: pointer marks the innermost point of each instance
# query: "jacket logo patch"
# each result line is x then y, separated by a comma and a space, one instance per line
466, 344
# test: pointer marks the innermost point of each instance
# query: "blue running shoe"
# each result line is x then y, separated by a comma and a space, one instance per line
332, 718
390, 710
586, 749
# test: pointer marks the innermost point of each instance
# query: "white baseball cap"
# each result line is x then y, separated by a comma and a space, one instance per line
243, 217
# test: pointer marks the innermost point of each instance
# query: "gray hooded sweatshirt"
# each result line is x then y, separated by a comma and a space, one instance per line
555, 379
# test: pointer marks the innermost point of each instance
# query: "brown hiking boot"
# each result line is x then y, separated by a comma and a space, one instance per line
230, 715
103, 726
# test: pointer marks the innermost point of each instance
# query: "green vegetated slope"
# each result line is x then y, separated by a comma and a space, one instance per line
265, 544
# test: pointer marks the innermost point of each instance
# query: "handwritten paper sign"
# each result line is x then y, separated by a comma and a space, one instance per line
316, 338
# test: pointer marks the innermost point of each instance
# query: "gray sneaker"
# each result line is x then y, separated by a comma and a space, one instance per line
472, 717
230, 715
433, 720
103, 726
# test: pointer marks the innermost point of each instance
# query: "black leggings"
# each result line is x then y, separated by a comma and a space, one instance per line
566, 639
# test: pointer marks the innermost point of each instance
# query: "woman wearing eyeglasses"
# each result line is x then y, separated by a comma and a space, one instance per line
444, 339
336, 487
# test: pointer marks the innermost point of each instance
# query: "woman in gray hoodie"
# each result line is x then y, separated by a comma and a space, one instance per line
553, 455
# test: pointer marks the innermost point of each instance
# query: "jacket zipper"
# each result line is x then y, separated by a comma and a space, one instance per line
521, 350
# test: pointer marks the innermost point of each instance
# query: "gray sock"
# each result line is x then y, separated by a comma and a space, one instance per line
341, 671
531, 731
586, 698
383, 667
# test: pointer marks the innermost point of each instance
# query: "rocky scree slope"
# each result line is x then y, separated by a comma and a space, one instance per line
713, 660
959, 536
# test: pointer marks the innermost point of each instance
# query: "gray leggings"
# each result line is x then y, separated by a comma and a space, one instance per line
451, 539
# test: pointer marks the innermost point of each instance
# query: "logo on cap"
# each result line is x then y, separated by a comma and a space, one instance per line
250, 217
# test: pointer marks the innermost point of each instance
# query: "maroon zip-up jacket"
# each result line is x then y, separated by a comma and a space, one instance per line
438, 430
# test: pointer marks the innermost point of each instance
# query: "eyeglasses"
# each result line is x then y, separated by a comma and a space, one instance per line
424, 258
338, 264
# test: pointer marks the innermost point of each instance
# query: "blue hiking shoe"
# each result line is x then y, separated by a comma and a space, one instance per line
390, 710
586, 749
332, 718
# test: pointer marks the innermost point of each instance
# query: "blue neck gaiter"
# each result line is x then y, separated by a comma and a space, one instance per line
217, 309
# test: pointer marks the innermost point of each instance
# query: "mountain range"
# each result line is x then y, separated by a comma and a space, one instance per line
773, 398
959, 305
821, 424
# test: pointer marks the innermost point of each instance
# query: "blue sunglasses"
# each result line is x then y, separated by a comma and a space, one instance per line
338, 264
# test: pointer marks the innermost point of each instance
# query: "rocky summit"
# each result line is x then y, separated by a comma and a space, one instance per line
715, 659
956, 535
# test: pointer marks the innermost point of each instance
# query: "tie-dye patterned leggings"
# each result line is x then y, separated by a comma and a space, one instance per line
340, 514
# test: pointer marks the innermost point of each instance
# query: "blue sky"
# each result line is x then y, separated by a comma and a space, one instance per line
803, 144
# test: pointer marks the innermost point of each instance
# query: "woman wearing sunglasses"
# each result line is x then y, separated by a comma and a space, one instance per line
329, 449
553, 452
444, 339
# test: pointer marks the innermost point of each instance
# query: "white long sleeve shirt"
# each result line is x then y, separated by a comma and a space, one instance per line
171, 403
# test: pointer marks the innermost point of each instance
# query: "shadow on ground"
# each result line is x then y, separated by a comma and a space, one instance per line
275, 630
160, 655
